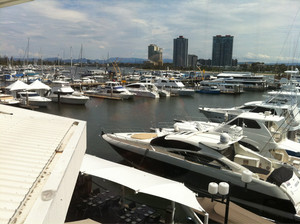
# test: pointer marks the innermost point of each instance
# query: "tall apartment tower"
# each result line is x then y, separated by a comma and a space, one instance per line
180, 52
155, 54
222, 50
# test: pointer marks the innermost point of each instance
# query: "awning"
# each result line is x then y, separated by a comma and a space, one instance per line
140, 181
18, 85
37, 85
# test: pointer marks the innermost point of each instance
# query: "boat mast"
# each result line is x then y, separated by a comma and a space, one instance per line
71, 61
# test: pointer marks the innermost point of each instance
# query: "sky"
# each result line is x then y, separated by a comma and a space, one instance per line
264, 30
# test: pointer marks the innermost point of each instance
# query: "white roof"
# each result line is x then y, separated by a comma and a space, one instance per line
261, 116
17, 85
140, 181
39, 85
37, 152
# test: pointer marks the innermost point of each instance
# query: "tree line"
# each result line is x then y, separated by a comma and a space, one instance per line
255, 67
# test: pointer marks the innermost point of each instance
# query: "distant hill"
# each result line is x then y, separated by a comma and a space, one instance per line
99, 61
110, 60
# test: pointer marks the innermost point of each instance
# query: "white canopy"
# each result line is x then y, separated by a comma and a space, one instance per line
140, 181
18, 85
37, 84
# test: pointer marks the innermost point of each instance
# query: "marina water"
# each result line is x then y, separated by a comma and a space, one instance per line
140, 114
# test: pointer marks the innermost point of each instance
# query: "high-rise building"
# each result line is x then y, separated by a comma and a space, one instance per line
222, 50
192, 60
180, 52
155, 54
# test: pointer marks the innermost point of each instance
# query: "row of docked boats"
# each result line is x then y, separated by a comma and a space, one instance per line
145, 88
40, 95
258, 139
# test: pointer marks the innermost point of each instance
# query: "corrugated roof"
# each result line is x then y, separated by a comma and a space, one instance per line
28, 143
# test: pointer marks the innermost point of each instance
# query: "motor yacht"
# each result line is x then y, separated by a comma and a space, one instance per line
227, 88
62, 92
146, 89
32, 98
210, 89
8, 99
267, 134
249, 81
280, 106
199, 158
112, 89
174, 86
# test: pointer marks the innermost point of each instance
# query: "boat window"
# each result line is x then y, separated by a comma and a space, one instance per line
274, 129
161, 141
229, 152
247, 123
247, 107
262, 110
250, 146
134, 86
201, 159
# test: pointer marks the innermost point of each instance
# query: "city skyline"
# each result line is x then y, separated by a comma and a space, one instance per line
264, 31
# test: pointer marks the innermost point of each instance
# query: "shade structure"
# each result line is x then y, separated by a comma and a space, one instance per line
38, 85
18, 85
140, 181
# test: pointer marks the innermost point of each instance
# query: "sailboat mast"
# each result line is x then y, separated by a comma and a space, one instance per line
81, 56
27, 53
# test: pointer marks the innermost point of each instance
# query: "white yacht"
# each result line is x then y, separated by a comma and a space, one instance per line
143, 89
197, 158
264, 133
32, 98
281, 106
248, 80
8, 99
175, 86
228, 88
111, 89
62, 92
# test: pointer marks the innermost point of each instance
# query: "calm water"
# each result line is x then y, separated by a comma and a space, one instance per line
139, 114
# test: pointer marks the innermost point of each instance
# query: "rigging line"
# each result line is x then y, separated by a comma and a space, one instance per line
288, 33
295, 48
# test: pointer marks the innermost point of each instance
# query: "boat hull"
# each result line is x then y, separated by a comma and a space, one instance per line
259, 197
70, 100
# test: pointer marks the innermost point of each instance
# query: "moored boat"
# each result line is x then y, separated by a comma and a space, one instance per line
146, 89
111, 89
197, 159
62, 92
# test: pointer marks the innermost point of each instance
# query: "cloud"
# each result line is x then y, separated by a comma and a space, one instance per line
122, 28
55, 10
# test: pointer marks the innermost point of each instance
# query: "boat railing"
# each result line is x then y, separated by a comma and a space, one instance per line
124, 129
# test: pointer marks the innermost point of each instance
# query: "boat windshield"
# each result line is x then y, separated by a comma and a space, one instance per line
162, 142
244, 122
263, 110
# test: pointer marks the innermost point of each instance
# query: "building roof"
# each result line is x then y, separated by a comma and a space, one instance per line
40, 157
6, 3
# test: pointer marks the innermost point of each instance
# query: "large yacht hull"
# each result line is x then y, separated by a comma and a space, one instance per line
260, 197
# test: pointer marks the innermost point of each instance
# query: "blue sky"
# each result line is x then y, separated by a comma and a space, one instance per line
263, 30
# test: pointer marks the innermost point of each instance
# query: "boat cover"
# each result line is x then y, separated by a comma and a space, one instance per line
140, 181
280, 175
